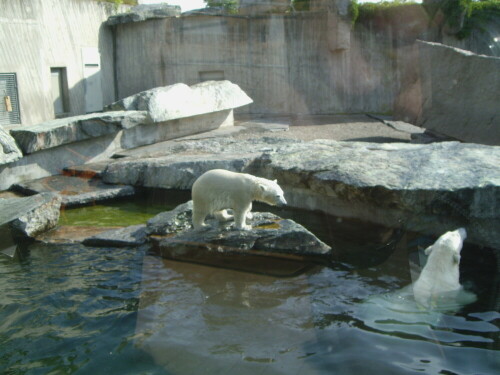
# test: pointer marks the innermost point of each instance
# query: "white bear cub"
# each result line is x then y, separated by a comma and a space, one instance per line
440, 275
217, 190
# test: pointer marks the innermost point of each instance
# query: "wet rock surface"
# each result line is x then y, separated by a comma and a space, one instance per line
134, 235
74, 191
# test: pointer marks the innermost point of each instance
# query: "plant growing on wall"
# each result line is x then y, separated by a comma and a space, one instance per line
230, 6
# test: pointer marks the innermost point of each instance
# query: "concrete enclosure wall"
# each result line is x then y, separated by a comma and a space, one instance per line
452, 92
37, 35
299, 63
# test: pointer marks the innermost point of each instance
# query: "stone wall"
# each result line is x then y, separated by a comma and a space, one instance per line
37, 35
451, 91
293, 63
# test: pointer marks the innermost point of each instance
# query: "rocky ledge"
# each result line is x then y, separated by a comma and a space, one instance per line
173, 237
429, 188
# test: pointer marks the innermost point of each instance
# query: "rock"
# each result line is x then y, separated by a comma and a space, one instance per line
180, 101
173, 172
31, 215
270, 236
453, 103
74, 190
71, 234
9, 151
134, 235
145, 12
73, 129
171, 222
430, 188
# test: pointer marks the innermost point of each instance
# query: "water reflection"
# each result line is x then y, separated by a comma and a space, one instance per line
75, 309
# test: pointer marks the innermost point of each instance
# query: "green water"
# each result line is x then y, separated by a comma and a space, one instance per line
124, 212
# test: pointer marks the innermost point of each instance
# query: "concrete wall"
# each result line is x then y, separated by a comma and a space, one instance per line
285, 63
453, 92
36, 35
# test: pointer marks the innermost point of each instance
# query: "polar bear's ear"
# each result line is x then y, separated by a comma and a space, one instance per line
428, 250
275, 181
262, 187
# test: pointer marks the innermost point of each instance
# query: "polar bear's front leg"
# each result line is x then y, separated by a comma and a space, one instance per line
199, 218
240, 216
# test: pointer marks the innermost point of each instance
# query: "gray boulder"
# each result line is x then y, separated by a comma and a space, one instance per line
270, 236
9, 151
180, 101
145, 12
31, 215
73, 129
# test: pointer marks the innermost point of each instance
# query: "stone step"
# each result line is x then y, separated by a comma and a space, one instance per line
90, 170
74, 191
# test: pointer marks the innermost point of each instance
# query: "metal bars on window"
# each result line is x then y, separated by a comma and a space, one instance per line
9, 104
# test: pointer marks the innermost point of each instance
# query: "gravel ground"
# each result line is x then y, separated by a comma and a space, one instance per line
361, 128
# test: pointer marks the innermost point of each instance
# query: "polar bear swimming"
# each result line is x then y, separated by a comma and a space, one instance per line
440, 276
217, 190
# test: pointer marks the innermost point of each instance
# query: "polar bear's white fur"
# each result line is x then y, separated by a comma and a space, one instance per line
440, 275
218, 190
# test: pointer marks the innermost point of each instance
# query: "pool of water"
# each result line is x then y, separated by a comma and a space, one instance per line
74, 309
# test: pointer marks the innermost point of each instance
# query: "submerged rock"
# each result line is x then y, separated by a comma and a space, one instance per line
270, 236
134, 235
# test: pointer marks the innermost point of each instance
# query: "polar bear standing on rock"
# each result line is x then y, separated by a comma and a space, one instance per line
440, 275
217, 190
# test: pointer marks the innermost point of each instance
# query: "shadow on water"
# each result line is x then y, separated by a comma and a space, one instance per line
75, 309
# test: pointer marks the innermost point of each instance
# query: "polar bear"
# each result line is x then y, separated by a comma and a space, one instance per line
217, 190
440, 276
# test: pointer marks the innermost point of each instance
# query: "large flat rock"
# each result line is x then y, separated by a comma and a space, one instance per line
9, 151
270, 236
73, 129
431, 188
74, 190
180, 100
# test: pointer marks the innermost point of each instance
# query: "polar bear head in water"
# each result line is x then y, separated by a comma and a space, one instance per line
440, 275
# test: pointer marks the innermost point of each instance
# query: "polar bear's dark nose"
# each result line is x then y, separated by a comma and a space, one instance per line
281, 201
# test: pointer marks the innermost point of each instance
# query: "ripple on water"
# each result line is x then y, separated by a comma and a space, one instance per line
73, 309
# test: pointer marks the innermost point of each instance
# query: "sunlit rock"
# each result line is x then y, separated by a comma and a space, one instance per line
9, 151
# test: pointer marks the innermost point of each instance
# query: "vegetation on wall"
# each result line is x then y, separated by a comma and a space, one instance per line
119, 2
479, 14
230, 6
461, 16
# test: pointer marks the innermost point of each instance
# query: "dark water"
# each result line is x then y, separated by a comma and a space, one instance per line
72, 309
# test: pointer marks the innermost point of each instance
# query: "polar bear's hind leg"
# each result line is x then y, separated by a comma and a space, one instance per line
223, 215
